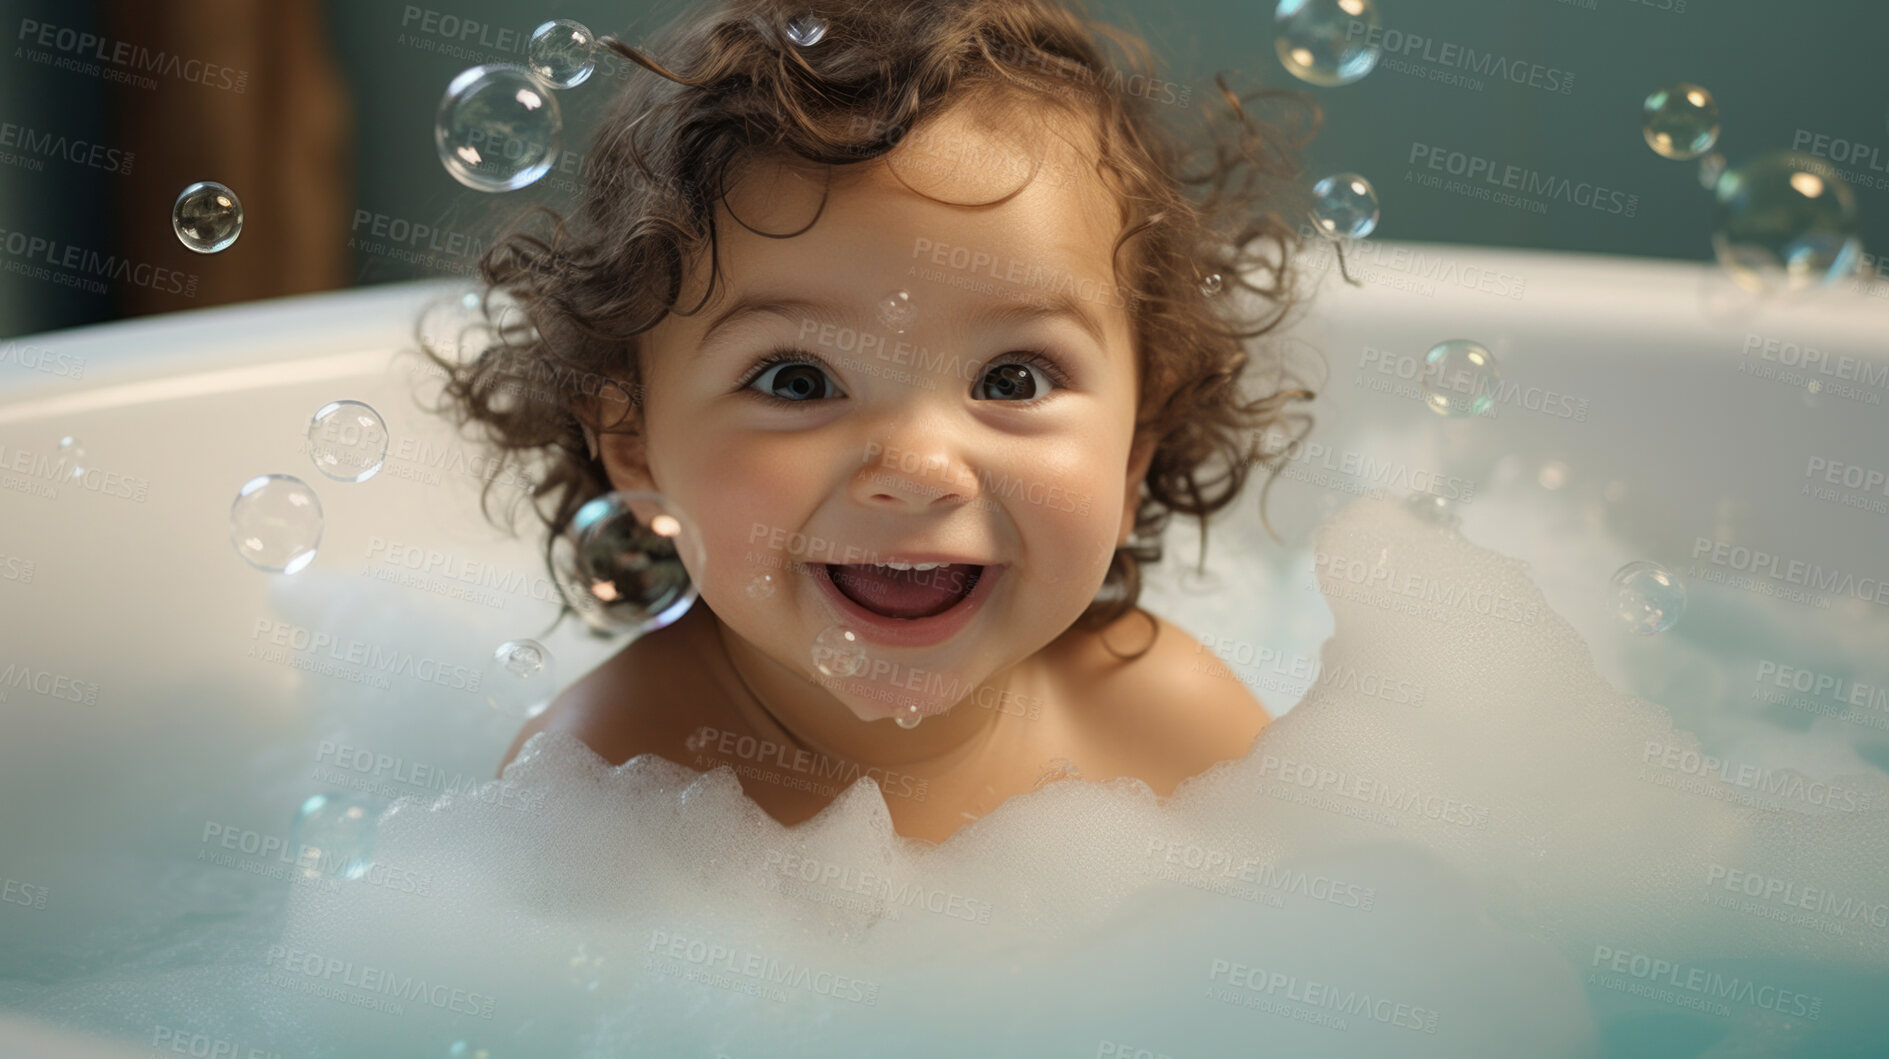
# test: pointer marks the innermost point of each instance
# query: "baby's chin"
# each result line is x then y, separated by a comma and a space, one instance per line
909, 687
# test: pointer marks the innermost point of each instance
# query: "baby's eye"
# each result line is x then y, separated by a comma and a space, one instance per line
1013, 381
795, 381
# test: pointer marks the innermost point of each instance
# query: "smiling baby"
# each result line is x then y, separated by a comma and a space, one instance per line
921, 328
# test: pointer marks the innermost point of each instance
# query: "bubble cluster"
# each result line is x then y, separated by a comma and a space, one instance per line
520, 678
1648, 598
207, 217
1459, 378
1345, 205
347, 440
562, 52
1786, 221
838, 652
276, 523
1680, 121
1326, 42
497, 128
624, 574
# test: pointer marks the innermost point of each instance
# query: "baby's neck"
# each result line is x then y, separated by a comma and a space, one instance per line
783, 704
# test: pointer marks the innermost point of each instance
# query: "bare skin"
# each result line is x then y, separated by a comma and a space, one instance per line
1162, 718
994, 429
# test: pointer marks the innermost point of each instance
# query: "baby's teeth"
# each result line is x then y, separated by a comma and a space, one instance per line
909, 566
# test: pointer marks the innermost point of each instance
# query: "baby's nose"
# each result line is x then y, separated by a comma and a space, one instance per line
912, 476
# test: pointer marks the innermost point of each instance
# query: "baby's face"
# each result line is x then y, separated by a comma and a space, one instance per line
809, 439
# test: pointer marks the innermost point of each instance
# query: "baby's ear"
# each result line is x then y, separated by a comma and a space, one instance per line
1139, 457
618, 436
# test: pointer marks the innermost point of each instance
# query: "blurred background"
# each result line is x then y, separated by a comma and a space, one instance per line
320, 114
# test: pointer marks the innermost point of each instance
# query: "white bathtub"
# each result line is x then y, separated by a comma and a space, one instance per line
1654, 414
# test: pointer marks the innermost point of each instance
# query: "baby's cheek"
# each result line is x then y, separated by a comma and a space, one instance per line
1080, 525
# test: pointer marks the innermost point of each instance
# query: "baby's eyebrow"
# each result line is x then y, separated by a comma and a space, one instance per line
794, 309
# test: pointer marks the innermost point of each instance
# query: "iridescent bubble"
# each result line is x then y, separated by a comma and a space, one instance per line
1345, 204
806, 30
207, 217
466, 1050
497, 129
446, 320
520, 678
624, 575
1327, 42
908, 718
761, 587
586, 969
1212, 285
276, 523
72, 456
1711, 167
1680, 121
562, 52
1786, 221
896, 310
347, 440
333, 835
1433, 508
839, 652
1459, 378
1648, 598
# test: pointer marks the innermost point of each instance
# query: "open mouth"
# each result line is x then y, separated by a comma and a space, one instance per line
918, 590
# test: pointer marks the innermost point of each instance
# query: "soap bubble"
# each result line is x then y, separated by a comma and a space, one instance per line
276, 523
806, 30
562, 52
838, 652
466, 1050
1433, 508
207, 217
445, 321
1680, 121
498, 129
896, 310
1459, 378
347, 440
1648, 598
761, 587
586, 969
1711, 167
625, 576
520, 679
1345, 204
1324, 42
1785, 221
1212, 285
908, 719
333, 835
72, 456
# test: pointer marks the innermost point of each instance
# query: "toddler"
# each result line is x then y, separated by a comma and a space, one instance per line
911, 310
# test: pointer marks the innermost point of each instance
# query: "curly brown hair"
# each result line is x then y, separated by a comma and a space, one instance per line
1209, 252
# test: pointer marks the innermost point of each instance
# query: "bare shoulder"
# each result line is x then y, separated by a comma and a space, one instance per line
1174, 708
634, 703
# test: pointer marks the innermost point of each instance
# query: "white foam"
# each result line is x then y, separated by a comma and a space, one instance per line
1510, 836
